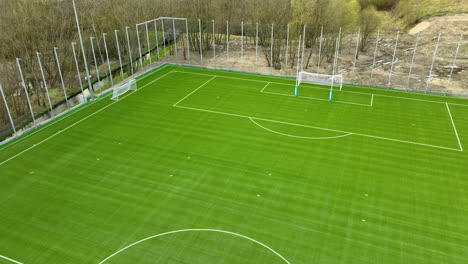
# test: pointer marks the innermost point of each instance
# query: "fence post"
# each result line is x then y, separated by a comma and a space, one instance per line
287, 49
148, 43
187, 39
157, 38
303, 47
320, 49
175, 39
45, 83
377, 40
78, 71
227, 43
242, 45
256, 47
214, 44
8, 110
429, 78
129, 49
23, 82
412, 61
271, 49
61, 77
116, 32
453, 63
200, 39
164, 37
139, 45
356, 53
107, 56
393, 60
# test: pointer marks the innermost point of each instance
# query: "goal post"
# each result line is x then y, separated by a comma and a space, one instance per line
332, 81
123, 88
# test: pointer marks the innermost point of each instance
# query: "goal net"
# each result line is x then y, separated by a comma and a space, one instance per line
123, 88
320, 79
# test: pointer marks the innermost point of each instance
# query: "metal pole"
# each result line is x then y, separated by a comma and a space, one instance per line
453, 63
375, 55
61, 77
129, 49
200, 39
242, 45
95, 61
335, 58
214, 44
356, 53
296, 87
118, 51
164, 38
90, 85
287, 48
338, 47
320, 49
157, 38
78, 71
303, 48
429, 78
175, 38
139, 46
412, 61
393, 60
148, 43
23, 82
271, 49
187, 39
256, 47
227, 41
8, 110
45, 83
107, 56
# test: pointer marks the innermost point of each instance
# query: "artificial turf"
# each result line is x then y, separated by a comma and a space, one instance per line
375, 176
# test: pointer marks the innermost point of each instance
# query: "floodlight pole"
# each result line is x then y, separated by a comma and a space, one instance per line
23, 82
148, 43
78, 71
156, 36
108, 62
187, 39
8, 110
287, 48
45, 83
175, 38
200, 40
256, 47
95, 61
429, 78
453, 63
375, 55
242, 45
412, 61
90, 85
61, 77
116, 32
271, 49
129, 48
320, 49
356, 53
214, 44
393, 60
139, 46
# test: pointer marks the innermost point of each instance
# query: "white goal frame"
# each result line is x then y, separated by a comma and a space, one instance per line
123, 88
320, 79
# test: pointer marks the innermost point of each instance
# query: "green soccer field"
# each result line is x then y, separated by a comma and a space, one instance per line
204, 166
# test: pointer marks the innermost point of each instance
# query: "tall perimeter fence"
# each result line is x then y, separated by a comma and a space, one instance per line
43, 86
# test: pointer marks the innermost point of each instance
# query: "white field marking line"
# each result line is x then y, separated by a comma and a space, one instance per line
194, 90
287, 123
454, 127
288, 135
9, 259
77, 122
265, 87
372, 100
315, 87
320, 99
197, 230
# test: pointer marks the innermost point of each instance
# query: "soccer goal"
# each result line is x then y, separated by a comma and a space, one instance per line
123, 88
332, 81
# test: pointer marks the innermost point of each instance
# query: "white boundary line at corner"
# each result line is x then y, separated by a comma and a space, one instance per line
79, 121
454, 127
293, 136
9, 259
265, 87
328, 129
198, 88
196, 230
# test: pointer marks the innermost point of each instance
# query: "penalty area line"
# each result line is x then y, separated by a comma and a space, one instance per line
198, 88
454, 127
10, 259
